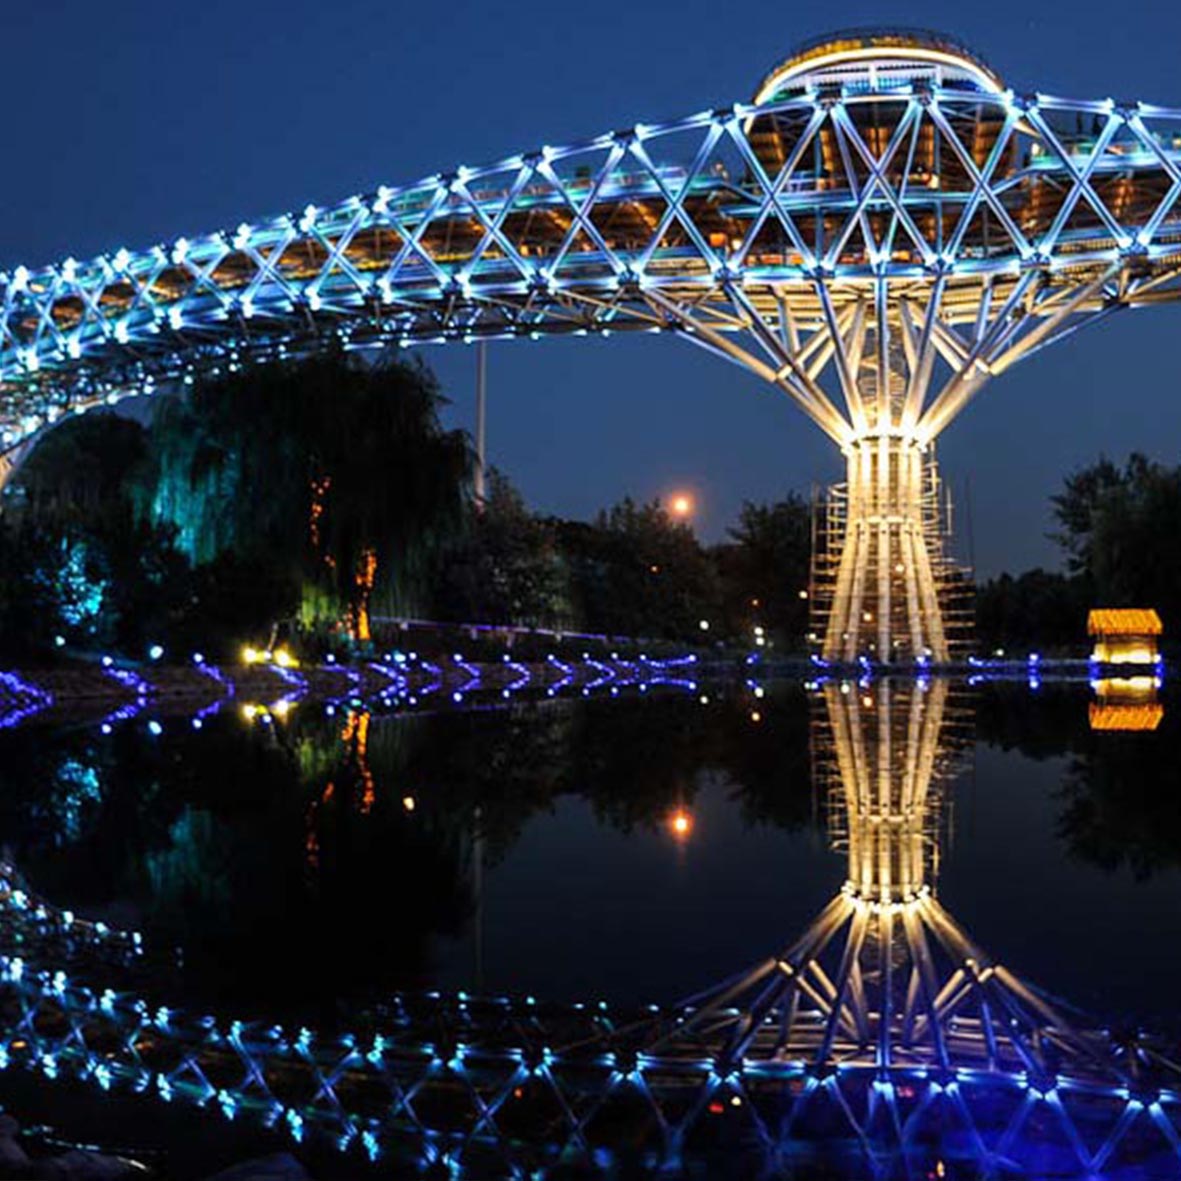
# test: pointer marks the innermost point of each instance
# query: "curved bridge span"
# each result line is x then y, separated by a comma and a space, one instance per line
881, 231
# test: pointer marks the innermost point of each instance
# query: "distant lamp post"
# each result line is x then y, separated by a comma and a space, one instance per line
681, 506
680, 824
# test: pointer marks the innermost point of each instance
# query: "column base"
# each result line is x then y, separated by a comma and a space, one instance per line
883, 587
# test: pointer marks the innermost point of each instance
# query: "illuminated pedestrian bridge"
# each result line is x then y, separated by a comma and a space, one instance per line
882, 1041
881, 231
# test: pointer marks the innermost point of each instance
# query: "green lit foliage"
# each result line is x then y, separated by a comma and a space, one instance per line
71, 584
30, 597
76, 561
75, 792
336, 472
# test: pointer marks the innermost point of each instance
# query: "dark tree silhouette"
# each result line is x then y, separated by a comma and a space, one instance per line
765, 567
337, 469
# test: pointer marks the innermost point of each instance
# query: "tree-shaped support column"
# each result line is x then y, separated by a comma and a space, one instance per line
880, 596
882, 365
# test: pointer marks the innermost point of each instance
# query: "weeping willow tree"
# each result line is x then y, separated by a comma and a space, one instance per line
333, 470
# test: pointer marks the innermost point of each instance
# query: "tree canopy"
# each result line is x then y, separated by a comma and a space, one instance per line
766, 567
1117, 530
340, 469
328, 491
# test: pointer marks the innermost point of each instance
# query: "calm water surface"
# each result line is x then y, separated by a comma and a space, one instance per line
631, 849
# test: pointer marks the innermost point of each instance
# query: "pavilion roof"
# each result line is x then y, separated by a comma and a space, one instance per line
1123, 621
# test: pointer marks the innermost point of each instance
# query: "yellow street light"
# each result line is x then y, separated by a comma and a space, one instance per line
680, 824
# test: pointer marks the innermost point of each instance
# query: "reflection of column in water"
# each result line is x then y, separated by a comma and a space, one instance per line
863, 983
478, 893
881, 806
887, 1016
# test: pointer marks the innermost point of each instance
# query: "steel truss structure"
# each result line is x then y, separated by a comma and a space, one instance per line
881, 232
883, 1037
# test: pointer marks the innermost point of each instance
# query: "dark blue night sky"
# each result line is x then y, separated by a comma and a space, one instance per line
135, 122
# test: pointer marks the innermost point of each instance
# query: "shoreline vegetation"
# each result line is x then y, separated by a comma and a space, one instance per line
355, 510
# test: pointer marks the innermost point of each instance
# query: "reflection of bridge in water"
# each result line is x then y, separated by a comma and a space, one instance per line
884, 229
882, 1041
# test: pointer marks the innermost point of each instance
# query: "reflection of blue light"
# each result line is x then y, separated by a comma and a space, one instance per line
75, 787
27, 699
586, 676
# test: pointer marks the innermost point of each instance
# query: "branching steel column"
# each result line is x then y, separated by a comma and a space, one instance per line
885, 601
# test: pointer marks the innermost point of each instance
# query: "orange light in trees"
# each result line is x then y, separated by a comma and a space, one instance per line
680, 824
681, 505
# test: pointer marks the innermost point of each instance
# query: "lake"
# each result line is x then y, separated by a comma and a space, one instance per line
916, 888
